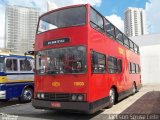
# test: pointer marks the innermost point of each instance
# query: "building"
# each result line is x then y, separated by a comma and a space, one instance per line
135, 22
149, 56
20, 28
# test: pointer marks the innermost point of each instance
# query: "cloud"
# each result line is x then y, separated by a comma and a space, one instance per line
153, 16
42, 4
61, 3
56, 4
117, 21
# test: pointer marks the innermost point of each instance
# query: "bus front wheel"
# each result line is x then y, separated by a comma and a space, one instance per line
27, 95
112, 97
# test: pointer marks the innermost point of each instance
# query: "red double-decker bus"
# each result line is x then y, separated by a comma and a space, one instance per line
83, 62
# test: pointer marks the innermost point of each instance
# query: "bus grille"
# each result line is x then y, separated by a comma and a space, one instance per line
57, 96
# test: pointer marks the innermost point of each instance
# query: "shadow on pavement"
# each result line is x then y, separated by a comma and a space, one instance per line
9, 103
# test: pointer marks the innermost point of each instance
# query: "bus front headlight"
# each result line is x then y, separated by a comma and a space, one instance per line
2, 94
80, 97
77, 97
74, 97
38, 95
42, 95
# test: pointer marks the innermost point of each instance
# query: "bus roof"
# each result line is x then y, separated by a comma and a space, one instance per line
9, 54
61, 8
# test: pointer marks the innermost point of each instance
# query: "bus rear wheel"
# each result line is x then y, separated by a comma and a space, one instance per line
27, 95
134, 89
112, 97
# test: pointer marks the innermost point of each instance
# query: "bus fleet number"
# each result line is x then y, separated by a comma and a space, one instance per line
79, 84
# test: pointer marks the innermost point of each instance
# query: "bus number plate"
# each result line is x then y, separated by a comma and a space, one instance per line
56, 104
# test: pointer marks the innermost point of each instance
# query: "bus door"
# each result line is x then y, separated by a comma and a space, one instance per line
98, 74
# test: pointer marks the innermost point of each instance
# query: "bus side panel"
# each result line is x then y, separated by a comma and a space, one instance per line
96, 81
100, 84
134, 77
15, 89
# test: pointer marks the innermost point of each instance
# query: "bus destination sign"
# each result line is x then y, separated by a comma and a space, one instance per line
57, 41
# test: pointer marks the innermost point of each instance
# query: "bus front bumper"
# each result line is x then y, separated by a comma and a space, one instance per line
2, 95
53, 105
84, 107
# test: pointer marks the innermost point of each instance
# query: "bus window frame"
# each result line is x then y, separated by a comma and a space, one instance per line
121, 41
119, 65
31, 64
115, 70
105, 67
111, 36
127, 39
11, 71
106, 32
85, 72
86, 8
131, 47
102, 30
136, 68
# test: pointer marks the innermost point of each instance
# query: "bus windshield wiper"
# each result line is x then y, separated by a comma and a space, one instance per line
52, 71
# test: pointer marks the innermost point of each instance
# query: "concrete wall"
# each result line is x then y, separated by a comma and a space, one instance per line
150, 64
150, 57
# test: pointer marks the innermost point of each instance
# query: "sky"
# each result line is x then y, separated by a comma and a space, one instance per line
111, 9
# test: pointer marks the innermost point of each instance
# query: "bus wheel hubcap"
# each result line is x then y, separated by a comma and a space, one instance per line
112, 96
134, 89
27, 95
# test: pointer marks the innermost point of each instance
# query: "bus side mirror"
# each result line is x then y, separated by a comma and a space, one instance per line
29, 53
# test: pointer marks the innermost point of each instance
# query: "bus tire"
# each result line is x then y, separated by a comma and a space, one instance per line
134, 88
112, 97
26, 95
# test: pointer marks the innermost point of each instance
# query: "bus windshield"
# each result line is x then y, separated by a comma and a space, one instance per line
68, 17
61, 60
1, 64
